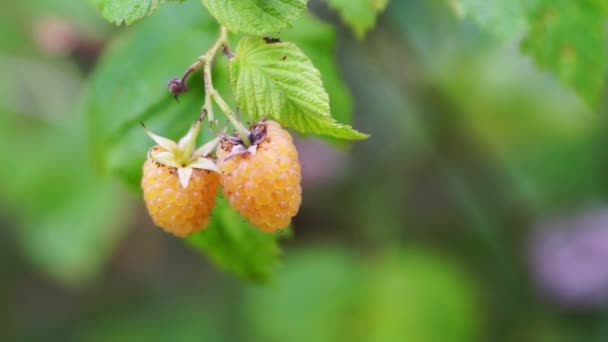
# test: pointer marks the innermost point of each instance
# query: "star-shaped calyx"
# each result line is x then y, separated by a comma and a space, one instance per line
182, 155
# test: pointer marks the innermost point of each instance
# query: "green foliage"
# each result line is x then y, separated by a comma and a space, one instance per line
360, 15
276, 80
128, 11
318, 41
477, 146
412, 293
61, 204
311, 299
565, 37
505, 19
73, 241
50, 194
568, 38
400, 297
535, 137
254, 16
236, 246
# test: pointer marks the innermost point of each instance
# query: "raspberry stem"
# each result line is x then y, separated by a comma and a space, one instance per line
212, 95
222, 41
242, 131
178, 86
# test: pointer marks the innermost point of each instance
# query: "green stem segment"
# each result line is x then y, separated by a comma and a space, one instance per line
243, 132
211, 94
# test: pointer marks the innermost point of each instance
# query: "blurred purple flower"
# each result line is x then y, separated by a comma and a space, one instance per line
570, 258
321, 163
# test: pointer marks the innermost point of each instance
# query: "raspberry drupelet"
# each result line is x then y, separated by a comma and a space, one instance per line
262, 182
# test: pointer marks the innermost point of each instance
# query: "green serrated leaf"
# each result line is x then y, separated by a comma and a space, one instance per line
236, 246
505, 19
360, 15
255, 16
129, 85
568, 38
318, 41
128, 11
277, 81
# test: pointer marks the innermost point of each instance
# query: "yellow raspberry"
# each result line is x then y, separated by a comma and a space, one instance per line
262, 182
179, 183
177, 210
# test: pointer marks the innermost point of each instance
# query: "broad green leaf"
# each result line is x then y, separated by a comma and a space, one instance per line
568, 38
236, 246
129, 86
360, 15
277, 81
505, 19
257, 17
318, 41
128, 11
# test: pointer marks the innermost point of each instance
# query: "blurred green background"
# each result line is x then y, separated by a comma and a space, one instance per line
476, 211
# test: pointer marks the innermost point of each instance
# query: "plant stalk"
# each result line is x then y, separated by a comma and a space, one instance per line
211, 94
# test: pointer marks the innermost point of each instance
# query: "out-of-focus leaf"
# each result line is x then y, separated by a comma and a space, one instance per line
236, 246
81, 15
564, 37
418, 296
256, 17
73, 242
31, 86
13, 36
548, 149
568, 38
330, 294
276, 80
128, 11
311, 299
505, 19
360, 15
61, 206
129, 86
68, 219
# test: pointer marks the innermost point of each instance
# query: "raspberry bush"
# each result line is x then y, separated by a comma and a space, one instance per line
247, 92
